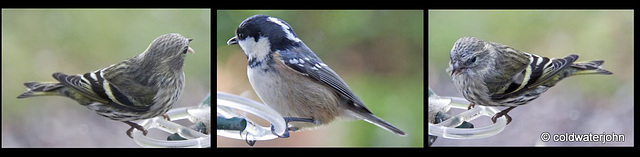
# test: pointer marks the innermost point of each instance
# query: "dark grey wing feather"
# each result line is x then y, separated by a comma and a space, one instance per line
136, 94
90, 89
549, 72
106, 90
306, 62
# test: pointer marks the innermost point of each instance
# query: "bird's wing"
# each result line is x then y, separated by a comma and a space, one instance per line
105, 87
129, 88
85, 85
315, 69
539, 71
544, 72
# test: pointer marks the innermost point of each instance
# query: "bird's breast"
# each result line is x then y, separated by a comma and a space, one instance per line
294, 95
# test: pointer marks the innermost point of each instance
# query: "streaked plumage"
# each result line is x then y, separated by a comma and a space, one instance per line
492, 74
141, 87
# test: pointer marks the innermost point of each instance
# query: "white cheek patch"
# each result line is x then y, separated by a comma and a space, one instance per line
259, 49
285, 28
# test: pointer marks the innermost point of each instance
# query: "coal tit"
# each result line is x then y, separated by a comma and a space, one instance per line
292, 80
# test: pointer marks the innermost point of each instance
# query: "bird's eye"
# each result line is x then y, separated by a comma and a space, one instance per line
471, 61
185, 50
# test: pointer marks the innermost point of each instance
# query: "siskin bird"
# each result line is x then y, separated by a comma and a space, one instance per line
141, 87
492, 74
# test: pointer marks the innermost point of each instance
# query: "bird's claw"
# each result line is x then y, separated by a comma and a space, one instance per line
498, 115
292, 119
136, 126
284, 135
472, 105
503, 113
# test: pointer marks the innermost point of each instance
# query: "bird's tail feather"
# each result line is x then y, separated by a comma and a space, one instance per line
383, 124
592, 67
40, 89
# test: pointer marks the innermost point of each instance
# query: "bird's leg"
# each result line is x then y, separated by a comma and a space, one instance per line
134, 125
503, 113
472, 105
291, 119
166, 117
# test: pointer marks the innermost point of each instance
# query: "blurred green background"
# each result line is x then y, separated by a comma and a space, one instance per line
378, 53
580, 104
37, 42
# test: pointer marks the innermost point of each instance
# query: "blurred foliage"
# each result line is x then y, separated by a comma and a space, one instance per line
378, 53
593, 34
38, 42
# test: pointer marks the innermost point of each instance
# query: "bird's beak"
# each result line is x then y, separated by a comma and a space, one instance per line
455, 67
233, 40
191, 50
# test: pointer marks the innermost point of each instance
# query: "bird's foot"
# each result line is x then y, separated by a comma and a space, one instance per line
292, 119
502, 113
134, 125
472, 105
